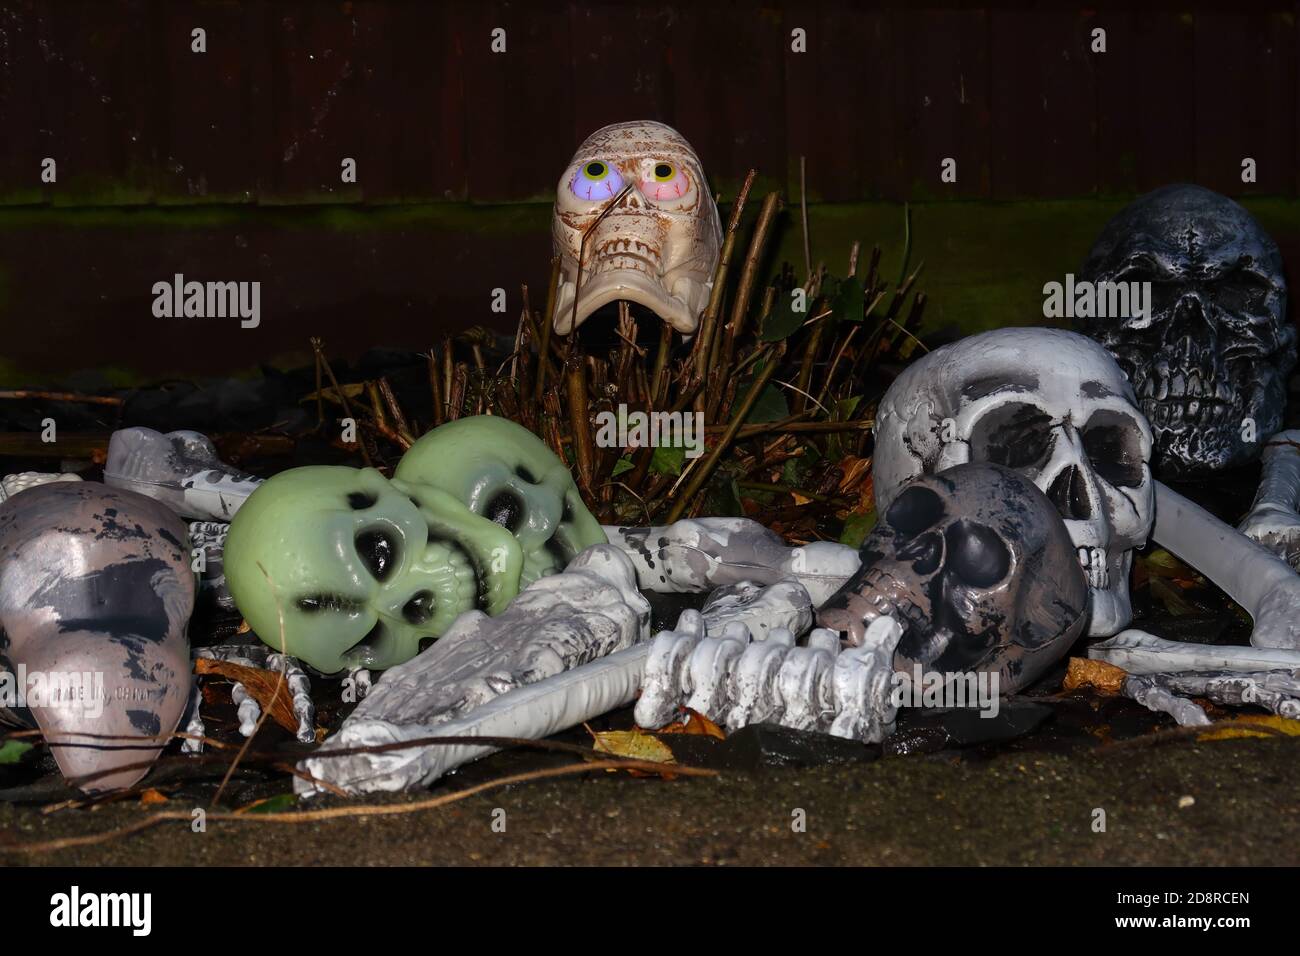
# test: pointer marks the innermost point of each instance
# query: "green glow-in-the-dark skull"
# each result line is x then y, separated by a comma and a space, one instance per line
343, 568
505, 473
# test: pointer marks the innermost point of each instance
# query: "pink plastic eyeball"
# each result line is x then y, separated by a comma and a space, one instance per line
664, 181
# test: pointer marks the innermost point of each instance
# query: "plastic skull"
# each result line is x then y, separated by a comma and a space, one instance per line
502, 471
96, 593
1209, 363
366, 571
977, 566
1050, 404
658, 246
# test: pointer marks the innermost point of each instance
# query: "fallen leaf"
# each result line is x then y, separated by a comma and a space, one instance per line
151, 797
276, 804
261, 685
1101, 676
695, 724
1271, 724
632, 745
11, 751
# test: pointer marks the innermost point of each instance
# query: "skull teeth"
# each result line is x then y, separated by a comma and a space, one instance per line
1096, 567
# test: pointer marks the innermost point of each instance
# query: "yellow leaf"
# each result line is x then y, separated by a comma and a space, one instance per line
631, 745
150, 797
1102, 677
1271, 724
695, 724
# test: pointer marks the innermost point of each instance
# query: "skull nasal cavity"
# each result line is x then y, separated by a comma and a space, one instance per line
505, 509
378, 551
1069, 492
915, 510
925, 552
419, 609
360, 500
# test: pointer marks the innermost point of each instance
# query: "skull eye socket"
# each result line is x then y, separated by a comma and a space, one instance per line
361, 500
1243, 293
378, 551
662, 180
977, 554
1113, 444
1016, 436
595, 181
506, 509
915, 510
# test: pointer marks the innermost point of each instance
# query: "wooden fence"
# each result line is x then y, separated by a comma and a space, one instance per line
113, 92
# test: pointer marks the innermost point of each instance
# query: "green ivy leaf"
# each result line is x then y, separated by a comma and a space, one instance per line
770, 407
668, 461
277, 804
783, 320
622, 465
856, 529
11, 751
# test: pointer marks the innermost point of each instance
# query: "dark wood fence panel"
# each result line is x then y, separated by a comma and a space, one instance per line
1245, 101
415, 94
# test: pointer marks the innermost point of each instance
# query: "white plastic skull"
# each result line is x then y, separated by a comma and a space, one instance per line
657, 247
1051, 405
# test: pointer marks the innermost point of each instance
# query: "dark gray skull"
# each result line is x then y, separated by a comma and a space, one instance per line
978, 567
1209, 363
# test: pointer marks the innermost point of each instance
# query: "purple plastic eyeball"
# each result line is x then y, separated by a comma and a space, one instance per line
595, 181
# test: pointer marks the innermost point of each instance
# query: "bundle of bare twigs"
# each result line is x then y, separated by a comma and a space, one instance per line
786, 375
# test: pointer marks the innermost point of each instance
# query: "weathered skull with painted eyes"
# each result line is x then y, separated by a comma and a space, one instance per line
1209, 362
346, 568
659, 244
977, 566
1047, 403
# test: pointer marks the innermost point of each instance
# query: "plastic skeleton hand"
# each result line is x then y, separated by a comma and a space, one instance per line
1164, 675
736, 681
250, 655
1273, 520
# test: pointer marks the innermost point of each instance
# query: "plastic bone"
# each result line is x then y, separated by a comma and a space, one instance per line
694, 555
848, 694
1276, 691
785, 606
1261, 582
1050, 404
1273, 520
405, 703
11, 485
1152, 696
1141, 653
550, 634
181, 469
658, 246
